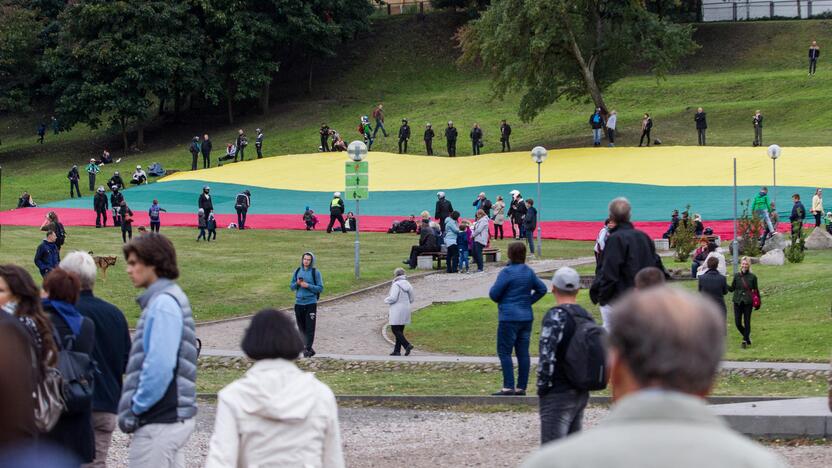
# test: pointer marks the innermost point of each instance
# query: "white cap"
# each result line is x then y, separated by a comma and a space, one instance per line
514, 192
337, 194
440, 194
138, 167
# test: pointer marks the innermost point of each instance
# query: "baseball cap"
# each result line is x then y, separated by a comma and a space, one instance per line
566, 279
337, 194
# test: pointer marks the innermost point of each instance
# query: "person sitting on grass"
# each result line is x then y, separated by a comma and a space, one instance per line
139, 176
26, 201
352, 222
230, 151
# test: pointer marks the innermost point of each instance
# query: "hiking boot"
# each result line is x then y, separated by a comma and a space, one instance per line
408, 349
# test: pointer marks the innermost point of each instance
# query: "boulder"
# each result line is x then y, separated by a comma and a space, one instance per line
774, 257
819, 239
777, 241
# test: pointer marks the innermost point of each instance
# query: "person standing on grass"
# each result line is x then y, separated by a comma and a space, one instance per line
73, 177
399, 299
429, 134
112, 349
596, 123
47, 256
796, 218
814, 54
41, 132
646, 127
336, 212
482, 203
757, 121
701, 125
612, 120
505, 135
451, 242
92, 169
498, 210
713, 285
154, 213
444, 208
201, 224
52, 223
206, 151
126, 216
404, 136
530, 224
562, 402
194, 148
116, 198
101, 206
258, 143
817, 206
324, 134
158, 402
476, 139
450, 138
516, 289
242, 142
307, 283
517, 211
480, 236
211, 226
275, 415
205, 202
378, 115
745, 288
241, 205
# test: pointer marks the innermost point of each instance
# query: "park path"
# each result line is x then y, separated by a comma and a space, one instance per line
353, 325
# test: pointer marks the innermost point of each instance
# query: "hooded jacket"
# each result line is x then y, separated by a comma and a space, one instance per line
399, 299
310, 295
276, 415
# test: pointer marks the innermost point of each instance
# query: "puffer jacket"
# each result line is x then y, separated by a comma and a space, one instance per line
399, 300
516, 289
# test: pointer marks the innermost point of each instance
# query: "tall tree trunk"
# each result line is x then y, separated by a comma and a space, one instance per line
140, 136
264, 98
123, 122
161, 107
177, 106
588, 72
309, 82
229, 100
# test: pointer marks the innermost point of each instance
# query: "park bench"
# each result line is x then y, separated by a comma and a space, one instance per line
425, 260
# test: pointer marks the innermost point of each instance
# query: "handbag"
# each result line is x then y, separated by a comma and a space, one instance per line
48, 396
755, 295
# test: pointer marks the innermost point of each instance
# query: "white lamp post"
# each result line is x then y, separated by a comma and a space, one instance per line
774, 153
539, 155
357, 151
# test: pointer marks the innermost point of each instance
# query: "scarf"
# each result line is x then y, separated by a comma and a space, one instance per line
67, 312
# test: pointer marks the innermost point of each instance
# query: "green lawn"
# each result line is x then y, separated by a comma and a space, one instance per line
464, 382
794, 323
244, 271
410, 67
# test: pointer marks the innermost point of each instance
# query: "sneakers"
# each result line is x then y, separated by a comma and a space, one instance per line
503, 393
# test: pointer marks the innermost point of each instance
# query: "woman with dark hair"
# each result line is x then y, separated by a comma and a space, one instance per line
76, 333
20, 296
52, 223
276, 414
745, 287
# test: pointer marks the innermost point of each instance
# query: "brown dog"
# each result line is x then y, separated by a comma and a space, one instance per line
103, 263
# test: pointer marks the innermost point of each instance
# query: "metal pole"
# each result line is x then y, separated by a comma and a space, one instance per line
357, 243
539, 229
774, 173
734, 243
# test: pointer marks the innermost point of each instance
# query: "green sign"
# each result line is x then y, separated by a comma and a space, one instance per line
357, 180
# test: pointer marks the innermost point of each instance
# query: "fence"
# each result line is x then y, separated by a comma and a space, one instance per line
716, 10
403, 7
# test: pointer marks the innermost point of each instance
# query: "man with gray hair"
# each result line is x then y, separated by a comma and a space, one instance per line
665, 345
112, 348
626, 252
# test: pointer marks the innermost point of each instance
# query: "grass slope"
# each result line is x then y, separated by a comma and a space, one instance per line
409, 65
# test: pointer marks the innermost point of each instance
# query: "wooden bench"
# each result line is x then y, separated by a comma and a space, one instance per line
490, 254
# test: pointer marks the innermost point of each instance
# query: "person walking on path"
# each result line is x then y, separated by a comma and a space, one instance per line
817, 206
626, 252
428, 137
596, 123
336, 212
206, 151
516, 289
530, 224
194, 148
241, 205
47, 256
713, 285
92, 169
757, 121
399, 299
562, 402
480, 238
242, 142
476, 139
796, 218
701, 125
100, 204
498, 210
761, 206
258, 143
646, 127
444, 208
308, 284
404, 136
126, 216
814, 54
276, 414
450, 138
158, 402
74, 177
154, 213
612, 120
505, 135
659, 415
112, 349
324, 133
205, 203
451, 242
378, 115
746, 298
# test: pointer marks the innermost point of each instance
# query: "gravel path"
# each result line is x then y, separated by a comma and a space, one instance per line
382, 437
353, 325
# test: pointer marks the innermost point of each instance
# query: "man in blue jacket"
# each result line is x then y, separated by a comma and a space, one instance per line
597, 123
308, 285
47, 256
796, 218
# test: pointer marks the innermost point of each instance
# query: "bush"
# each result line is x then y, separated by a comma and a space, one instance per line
795, 253
749, 230
684, 240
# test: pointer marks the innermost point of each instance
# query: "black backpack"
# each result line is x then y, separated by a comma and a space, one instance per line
77, 371
585, 360
60, 234
314, 279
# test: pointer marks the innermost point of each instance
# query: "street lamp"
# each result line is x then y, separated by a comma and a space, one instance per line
539, 154
774, 153
357, 151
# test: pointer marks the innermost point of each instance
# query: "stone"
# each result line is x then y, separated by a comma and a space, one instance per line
662, 244
774, 257
424, 262
819, 239
777, 242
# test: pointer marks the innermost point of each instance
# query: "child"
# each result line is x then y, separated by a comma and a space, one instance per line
463, 240
201, 224
212, 227
310, 219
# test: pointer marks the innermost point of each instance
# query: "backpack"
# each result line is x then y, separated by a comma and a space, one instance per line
241, 201
243, 141
78, 373
61, 234
596, 118
361, 129
314, 279
585, 360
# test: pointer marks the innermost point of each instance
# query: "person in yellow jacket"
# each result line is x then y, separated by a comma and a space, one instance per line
817, 206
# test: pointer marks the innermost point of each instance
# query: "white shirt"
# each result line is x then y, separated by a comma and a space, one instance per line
601, 241
611, 121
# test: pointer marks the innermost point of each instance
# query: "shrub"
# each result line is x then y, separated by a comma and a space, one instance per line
749, 230
684, 240
795, 253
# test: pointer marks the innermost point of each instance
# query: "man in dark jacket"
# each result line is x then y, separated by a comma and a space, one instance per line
674, 224
427, 243
530, 223
258, 143
47, 256
701, 125
112, 348
712, 284
205, 201
444, 208
194, 149
99, 203
206, 151
482, 203
450, 138
516, 211
757, 121
796, 217
116, 181
324, 133
626, 252
404, 135
597, 123
476, 139
242, 204
505, 135
336, 212
73, 177
242, 142
429, 134
115, 202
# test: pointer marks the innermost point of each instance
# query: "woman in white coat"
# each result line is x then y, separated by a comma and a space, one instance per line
276, 414
399, 299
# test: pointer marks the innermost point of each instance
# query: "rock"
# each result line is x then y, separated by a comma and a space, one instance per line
819, 239
775, 257
778, 241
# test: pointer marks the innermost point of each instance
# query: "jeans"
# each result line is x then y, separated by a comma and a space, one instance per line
154, 226
401, 341
817, 214
561, 414
463, 260
758, 136
475, 147
305, 316
451, 258
478, 255
596, 136
241, 152
763, 214
259, 151
206, 160
498, 230
193, 160
530, 239
514, 335
241, 217
126, 231
103, 424
160, 445
379, 125
813, 65
324, 143
506, 144
92, 181
694, 266
644, 133
701, 134
451, 147
73, 185
201, 234
742, 319
429, 147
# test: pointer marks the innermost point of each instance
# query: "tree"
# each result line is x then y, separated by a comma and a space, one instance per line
18, 56
569, 48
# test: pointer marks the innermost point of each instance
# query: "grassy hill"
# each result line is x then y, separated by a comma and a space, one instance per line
409, 65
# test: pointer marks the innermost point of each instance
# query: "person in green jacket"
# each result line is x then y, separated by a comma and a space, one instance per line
761, 207
92, 169
742, 286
